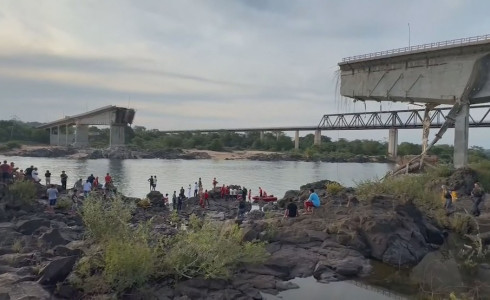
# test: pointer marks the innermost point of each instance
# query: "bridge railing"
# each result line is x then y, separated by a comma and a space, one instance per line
455, 42
401, 119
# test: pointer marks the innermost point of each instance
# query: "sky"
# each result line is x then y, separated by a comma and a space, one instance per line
211, 63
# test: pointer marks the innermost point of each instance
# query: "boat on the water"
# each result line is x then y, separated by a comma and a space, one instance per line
268, 198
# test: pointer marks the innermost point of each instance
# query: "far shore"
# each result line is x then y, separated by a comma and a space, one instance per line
48, 151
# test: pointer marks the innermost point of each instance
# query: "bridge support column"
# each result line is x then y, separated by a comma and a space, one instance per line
318, 137
58, 132
117, 135
81, 135
296, 140
277, 135
261, 136
461, 134
393, 143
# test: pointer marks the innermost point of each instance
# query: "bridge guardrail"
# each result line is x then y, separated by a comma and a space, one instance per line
435, 45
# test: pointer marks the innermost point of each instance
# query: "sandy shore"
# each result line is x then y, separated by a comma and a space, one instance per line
234, 155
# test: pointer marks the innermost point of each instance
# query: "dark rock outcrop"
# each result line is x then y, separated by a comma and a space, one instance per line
57, 270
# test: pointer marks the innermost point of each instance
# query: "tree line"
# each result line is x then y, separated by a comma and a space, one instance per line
145, 139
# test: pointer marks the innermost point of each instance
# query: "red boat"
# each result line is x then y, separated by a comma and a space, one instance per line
268, 198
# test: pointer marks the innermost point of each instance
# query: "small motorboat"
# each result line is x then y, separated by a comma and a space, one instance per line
268, 198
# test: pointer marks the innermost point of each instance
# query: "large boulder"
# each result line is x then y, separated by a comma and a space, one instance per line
28, 227
156, 199
57, 270
53, 238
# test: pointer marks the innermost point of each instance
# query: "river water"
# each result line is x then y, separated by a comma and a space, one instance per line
130, 176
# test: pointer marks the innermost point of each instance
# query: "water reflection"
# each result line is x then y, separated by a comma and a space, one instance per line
313, 290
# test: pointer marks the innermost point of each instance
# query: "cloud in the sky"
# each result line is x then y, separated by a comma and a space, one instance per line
208, 64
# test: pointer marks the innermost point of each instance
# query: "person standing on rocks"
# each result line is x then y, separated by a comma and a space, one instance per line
477, 195
35, 176
189, 191
174, 200
206, 198
182, 192
28, 172
53, 197
47, 175
5, 171
215, 182
223, 191
91, 179
180, 200
87, 187
244, 193
291, 210
150, 180
64, 179
448, 199
200, 183
155, 182
108, 179
313, 201
196, 188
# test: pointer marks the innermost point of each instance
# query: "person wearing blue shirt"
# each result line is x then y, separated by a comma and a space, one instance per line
313, 201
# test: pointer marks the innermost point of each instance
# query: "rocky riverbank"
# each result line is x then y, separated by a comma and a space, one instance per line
39, 251
126, 153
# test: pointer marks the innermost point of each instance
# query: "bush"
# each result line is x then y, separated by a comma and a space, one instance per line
23, 191
405, 188
211, 251
64, 203
128, 263
106, 218
128, 258
333, 188
13, 145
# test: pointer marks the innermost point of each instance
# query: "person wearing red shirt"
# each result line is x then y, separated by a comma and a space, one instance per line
108, 179
223, 191
206, 198
5, 168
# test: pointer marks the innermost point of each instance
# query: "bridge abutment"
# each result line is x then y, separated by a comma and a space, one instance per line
461, 134
393, 143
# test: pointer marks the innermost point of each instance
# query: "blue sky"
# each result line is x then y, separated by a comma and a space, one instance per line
210, 64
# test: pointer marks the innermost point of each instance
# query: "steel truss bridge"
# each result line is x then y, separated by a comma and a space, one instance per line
397, 119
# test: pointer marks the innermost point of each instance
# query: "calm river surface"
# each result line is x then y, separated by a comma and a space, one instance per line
130, 176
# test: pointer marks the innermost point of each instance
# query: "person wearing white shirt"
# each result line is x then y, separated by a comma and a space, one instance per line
87, 187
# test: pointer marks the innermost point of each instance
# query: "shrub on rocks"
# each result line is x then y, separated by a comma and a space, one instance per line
23, 192
211, 251
333, 188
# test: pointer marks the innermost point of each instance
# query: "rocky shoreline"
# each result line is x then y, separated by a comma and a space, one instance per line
339, 241
126, 153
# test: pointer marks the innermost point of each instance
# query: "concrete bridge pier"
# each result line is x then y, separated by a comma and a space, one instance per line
393, 143
261, 136
318, 137
277, 135
461, 134
117, 135
81, 135
296, 140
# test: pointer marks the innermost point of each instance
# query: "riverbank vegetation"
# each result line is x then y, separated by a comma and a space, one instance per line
125, 255
14, 133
